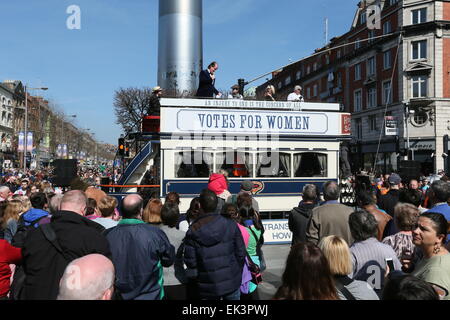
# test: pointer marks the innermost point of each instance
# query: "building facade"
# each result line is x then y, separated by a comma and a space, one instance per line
396, 66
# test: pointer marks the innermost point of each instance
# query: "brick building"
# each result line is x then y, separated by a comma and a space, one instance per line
363, 71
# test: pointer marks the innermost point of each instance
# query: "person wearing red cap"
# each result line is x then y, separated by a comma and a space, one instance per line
219, 185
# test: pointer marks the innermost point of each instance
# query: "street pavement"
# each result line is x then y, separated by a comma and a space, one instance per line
275, 257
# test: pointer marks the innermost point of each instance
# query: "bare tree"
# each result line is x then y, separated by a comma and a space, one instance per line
130, 105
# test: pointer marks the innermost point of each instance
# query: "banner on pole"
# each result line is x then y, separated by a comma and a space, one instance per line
29, 141
21, 144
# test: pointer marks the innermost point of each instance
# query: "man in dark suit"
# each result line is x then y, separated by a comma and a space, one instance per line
207, 77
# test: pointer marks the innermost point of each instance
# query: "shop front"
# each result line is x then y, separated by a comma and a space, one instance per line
385, 161
423, 150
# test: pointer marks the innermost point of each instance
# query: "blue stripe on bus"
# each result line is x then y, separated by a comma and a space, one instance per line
271, 187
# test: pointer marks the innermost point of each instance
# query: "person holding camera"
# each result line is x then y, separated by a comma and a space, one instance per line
296, 96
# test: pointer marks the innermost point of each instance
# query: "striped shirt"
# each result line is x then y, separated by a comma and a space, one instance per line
369, 261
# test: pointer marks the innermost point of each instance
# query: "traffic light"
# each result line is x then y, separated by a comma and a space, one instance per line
121, 146
127, 151
241, 84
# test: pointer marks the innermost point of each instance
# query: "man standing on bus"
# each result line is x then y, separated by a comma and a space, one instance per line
154, 104
207, 77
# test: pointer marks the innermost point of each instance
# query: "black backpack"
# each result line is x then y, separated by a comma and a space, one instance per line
22, 231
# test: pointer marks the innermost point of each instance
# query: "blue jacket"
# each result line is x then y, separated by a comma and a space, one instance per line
33, 215
214, 255
139, 252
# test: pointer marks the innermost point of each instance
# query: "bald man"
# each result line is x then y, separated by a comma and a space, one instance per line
139, 252
4, 193
88, 278
74, 236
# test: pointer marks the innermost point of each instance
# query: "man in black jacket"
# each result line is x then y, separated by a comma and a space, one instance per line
389, 201
207, 79
154, 108
214, 252
44, 262
299, 216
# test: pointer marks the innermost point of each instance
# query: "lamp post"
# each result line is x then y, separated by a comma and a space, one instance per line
26, 125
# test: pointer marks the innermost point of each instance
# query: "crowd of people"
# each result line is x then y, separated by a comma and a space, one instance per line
393, 245
81, 244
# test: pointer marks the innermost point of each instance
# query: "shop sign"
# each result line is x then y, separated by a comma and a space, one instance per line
391, 127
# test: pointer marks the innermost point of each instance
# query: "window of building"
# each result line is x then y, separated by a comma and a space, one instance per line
358, 71
338, 54
287, 81
373, 123
193, 164
419, 49
419, 86
308, 70
298, 75
371, 66
372, 97
387, 94
315, 90
387, 27
280, 84
419, 16
237, 164
357, 44
419, 119
327, 59
339, 80
387, 59
358, 123
308, 92
363, 17
371, 35
310, 164
357, 100
315, 66
273, 164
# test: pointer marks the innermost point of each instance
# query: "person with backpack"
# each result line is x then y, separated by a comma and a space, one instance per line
31, 219
252, 223
49, 248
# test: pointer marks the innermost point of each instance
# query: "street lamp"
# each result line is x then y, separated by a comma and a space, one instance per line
26, 125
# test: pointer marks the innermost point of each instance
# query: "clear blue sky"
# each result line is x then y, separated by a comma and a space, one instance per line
117, 46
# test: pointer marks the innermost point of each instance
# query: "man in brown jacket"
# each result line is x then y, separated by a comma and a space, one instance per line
367, 201
331, 218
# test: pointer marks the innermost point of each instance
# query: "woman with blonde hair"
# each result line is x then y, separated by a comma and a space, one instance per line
11, 217
152, 212
337, 252
269, 93
26, 203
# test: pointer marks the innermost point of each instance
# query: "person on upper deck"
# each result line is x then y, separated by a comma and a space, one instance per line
155, 106
207, 79
296, 96
269, 93
235, 93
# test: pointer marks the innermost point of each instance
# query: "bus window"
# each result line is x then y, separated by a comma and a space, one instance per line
237, 164
310, 164
193, 164
280, 168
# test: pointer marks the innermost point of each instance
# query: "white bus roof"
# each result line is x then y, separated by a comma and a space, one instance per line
248, 104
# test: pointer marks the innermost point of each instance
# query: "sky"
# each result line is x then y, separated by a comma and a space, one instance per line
117, 46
